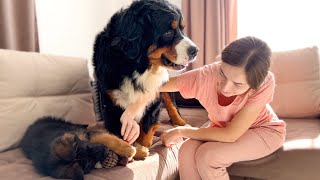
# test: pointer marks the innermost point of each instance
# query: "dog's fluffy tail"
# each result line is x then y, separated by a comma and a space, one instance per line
97, 102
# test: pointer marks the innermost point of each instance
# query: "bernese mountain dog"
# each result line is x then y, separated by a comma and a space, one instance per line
131, 59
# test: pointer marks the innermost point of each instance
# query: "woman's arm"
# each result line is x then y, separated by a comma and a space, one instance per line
240, 123
130, 130
170, 86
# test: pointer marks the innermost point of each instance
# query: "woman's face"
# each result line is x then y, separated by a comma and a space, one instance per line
232, 80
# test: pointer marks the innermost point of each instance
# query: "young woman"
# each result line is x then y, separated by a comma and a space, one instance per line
236, 93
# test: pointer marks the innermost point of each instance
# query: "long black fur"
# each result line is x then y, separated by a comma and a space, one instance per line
121, 48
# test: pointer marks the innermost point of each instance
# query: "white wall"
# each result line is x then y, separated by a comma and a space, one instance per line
69, 27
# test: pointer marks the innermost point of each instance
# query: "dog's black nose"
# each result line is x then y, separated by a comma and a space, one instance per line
192, 52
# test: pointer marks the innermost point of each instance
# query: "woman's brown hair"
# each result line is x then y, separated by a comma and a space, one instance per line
253, 55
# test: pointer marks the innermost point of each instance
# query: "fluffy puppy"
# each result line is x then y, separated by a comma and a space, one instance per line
63, 150
131, 59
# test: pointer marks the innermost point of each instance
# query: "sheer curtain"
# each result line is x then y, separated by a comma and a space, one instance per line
284, 25
211, 24
18, 29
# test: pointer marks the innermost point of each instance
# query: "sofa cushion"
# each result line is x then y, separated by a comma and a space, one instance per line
300, 153
161, 164
297, 99
34, 85
297, 91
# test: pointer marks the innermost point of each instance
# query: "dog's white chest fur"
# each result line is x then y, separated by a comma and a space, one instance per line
150, 80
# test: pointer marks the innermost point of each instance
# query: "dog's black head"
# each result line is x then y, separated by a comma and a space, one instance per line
148, 33
72, 157
88, 154
168, 46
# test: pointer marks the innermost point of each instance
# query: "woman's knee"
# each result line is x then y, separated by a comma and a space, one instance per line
209, 155
189, 148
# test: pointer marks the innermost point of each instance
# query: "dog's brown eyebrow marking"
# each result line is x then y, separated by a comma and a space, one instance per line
68, 137
152, 48
174, 24
182, 24
63, 147
82, 137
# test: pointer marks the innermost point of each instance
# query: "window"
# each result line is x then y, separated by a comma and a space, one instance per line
284, 24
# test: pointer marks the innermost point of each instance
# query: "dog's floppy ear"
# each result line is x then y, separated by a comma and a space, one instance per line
130, 48
128, 36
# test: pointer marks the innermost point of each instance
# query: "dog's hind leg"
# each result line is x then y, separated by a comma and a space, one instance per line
174, 115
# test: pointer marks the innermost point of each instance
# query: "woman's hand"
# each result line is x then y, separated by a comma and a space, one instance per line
169, 136
130, 130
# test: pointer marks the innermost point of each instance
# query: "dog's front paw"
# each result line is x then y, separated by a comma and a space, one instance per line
142, 151
125, 150
114, 143
147, 142
146, 139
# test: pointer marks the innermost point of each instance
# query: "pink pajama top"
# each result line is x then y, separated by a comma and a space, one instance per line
202, 84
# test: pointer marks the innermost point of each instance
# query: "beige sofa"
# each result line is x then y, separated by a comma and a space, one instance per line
33, 85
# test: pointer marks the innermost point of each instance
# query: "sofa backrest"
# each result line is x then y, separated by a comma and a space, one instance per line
33, 85
297, 91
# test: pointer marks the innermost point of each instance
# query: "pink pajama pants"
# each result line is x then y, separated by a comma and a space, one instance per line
209, 160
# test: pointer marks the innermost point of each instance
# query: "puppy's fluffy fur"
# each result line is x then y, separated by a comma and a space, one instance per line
131, 58
64, 150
